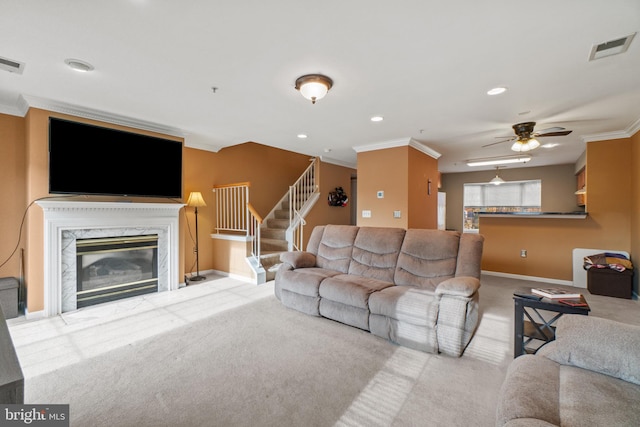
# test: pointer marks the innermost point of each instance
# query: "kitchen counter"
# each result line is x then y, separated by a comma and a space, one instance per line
565, 215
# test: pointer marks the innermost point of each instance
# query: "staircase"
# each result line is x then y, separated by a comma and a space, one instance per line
273, 239
280, 231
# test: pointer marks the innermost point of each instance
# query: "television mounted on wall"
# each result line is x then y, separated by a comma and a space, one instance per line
94, 160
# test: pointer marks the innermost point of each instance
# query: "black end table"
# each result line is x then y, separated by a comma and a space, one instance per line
532, 330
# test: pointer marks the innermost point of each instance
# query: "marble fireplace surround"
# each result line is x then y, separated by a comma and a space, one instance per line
66, 221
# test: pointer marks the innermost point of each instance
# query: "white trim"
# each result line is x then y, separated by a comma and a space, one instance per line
531, 278
402, 142
337, 162
102, 116
631, 130
233, 276
233, 237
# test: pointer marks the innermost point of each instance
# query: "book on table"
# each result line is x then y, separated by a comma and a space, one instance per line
555, 293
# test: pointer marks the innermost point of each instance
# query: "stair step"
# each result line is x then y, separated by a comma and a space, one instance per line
277, 223
273, 233
271, 245
281, 213
271, 262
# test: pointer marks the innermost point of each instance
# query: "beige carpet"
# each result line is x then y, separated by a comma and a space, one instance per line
261, 364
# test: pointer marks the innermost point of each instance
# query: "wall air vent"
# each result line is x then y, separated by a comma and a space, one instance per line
11, 65
612, 47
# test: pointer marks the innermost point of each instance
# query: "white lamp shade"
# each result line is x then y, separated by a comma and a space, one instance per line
313, 90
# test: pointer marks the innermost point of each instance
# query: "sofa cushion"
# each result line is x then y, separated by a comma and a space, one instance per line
305, 281
530, 390
299, 259
351, 290
407, 304
591, 398
336, 247
427, 257
375, 252
597, 344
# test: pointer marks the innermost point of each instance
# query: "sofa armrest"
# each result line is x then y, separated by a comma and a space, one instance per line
463, 286
597, 344
299, 259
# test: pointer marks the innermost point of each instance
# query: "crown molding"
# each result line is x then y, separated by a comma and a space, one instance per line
402, 142
29, 101
627, 133
337, 162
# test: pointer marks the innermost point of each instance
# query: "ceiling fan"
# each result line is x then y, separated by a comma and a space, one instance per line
525, 137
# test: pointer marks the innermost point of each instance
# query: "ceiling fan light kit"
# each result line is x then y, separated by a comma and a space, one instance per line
313, 86
522, 146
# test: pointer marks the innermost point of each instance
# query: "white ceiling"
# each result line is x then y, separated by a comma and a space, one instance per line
425, 66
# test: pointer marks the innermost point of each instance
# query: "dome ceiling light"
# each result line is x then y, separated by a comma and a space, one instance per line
313, 86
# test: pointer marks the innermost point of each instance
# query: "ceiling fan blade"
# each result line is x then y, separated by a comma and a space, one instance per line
498, 142
547, 130
561, 133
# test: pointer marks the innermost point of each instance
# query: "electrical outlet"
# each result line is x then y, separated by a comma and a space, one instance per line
523, 253
396, 214
366, 214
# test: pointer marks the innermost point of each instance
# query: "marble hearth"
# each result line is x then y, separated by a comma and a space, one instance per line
67, 221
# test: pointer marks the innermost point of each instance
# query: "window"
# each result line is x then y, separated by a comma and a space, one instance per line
510, 197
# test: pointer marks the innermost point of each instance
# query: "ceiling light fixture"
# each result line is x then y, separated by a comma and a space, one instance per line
79, 65
377, 118
497, 180
302, 136
313, 86
522, 145
498, 161
496, 91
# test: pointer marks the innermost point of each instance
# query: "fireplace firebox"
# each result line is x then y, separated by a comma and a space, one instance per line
113, 268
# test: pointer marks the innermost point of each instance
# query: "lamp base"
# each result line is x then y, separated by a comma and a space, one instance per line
197, 278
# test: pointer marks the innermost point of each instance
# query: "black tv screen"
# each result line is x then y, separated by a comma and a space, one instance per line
88, 159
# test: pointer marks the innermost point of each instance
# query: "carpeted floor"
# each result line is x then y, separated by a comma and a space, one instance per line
257, 363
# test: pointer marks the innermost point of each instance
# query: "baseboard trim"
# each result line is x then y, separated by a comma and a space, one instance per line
531, 278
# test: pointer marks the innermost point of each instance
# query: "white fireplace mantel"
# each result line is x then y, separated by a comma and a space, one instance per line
64, 221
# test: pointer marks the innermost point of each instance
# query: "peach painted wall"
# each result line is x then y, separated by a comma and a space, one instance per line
383, 170
422, 196
13, 191
331, 176
550, 242
37, 140
635, 208
270, 171
402, 173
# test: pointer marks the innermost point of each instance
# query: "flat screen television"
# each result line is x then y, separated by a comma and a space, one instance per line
94, 160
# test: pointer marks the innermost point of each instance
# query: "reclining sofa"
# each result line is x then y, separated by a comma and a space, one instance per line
588, 376
417, 288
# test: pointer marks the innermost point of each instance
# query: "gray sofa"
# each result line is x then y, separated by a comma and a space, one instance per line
417, 288
588, 376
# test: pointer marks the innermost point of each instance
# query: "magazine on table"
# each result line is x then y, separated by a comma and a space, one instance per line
555, 293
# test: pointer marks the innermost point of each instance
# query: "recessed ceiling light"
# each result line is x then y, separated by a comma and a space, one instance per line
79, 65
377, 118
496, 91
302, 135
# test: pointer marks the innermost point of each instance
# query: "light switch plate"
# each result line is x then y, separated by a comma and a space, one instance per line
380, 194
366, 214
396, 214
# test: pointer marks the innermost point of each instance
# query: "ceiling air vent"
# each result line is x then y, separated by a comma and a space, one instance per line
612, 47
11, 65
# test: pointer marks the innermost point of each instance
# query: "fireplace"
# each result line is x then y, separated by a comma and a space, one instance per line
68, 222
114, 268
